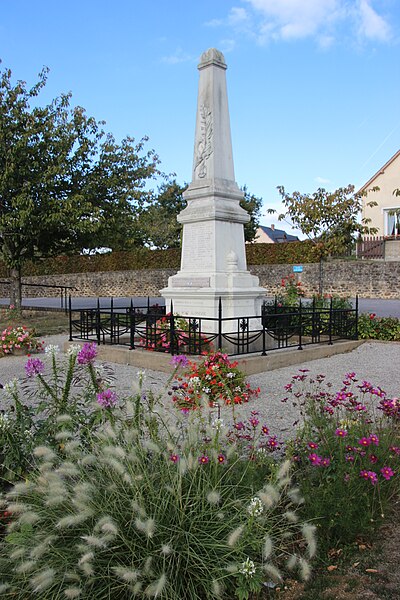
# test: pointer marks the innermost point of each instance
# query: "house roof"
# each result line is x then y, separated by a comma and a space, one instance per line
380, 172
278, 235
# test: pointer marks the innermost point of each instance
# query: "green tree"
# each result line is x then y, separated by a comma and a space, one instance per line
63, 182
253, 206
158, 223
329, 219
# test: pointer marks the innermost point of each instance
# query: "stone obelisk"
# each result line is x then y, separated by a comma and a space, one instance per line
213, 260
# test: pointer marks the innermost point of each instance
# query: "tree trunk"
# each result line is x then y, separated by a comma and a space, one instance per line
16, 288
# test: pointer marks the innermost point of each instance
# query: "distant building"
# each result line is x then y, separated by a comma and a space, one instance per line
272, 235
382, 216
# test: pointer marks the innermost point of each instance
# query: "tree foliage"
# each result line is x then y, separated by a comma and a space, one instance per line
253, 206
329, 219
158, 222
64, 183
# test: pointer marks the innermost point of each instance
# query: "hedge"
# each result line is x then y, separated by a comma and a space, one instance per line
143, 258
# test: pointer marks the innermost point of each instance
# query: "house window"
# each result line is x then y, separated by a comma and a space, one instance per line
392, 222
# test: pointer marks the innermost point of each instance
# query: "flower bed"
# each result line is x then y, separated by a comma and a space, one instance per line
18, 340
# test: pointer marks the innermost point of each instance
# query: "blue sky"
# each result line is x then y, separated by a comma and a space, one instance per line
313, 85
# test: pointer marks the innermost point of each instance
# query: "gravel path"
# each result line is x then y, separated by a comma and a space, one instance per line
376, 362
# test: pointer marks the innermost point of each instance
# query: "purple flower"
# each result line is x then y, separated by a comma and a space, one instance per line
180, 360
387, 473
364, 442
33, 367
341, 433
325, 462
107, 398
203, 460
369, 476
174, 458
87, 354
373, 439
314, 459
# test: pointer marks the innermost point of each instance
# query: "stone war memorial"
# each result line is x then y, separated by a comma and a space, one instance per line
213, 259
213, 302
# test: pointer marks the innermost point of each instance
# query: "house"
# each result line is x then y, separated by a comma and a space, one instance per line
388, 180
272, 235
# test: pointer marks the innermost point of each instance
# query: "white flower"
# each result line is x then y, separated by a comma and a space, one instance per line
248, 568
52, 349
206, 390
256, 507
4, 421
230, 375
195, 380
11, 387
218, 424
73, 349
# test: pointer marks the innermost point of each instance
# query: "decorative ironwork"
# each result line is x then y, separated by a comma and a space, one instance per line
149, 327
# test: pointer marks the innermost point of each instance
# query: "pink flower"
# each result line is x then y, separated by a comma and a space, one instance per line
314, 459
364, 442
341, 433
33, 367
369, 476
87, 354
203, 460
107, 398
373, 439
312, 445
221, 459
174, 458
387, 473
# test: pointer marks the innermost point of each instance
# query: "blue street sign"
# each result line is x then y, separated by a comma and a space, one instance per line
297, 269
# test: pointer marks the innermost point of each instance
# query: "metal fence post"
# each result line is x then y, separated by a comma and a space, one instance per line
300, 326
172, 331
356, 332
132, 326
98, 321
70, 317
263, 328
330, 321
220, 323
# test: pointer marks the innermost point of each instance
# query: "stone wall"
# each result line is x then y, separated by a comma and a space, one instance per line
368, 279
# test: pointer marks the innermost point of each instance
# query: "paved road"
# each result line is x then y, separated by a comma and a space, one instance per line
383, 308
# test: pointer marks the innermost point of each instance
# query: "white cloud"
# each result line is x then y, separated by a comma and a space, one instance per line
322, 20
322, 180
291, 19
179, 56
372, 25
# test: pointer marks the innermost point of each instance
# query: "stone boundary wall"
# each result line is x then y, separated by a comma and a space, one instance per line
368, 279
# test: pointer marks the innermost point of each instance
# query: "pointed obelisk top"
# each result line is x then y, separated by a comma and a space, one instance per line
212, 56
212, 157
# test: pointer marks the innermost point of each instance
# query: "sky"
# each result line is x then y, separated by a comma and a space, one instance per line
313, 85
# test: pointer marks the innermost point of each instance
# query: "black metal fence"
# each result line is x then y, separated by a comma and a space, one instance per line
63, 290
151, 328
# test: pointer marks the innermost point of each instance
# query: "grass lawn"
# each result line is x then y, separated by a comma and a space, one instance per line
44, 322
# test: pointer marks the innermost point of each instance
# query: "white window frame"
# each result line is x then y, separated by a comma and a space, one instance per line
386, 216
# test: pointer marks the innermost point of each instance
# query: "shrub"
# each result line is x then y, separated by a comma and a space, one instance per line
155, 505
346, 453
378, 328
52, 386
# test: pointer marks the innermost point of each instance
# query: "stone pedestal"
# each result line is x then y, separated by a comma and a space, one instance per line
213, 260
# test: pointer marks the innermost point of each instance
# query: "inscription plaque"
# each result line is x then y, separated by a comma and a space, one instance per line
198, 247
191, 282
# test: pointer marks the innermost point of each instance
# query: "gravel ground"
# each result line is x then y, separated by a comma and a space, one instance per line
376, 362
